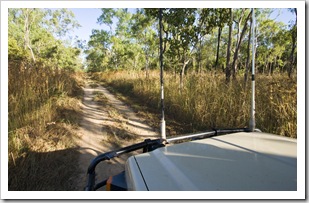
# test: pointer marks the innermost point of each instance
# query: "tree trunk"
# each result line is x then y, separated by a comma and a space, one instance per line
248, 55
199, 66
218, 47
294, 35
200, 57
235, 58
147, 69
272, 67
234, 69
135, 61
228, 52
27, 33
265, 66
182, 73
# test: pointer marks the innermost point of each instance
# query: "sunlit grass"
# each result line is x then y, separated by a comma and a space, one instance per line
207, 102
43, 111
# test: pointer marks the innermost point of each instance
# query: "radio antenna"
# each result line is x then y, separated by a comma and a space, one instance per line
252, 119
163, 135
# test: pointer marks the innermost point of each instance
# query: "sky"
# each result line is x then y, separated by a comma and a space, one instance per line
87, 18
283, 15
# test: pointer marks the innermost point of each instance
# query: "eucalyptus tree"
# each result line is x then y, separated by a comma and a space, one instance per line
179, 36
124, 52
228, 51
98, 50
272, 44
129, 48
240, 35
221, 21
210, 19
23, 23
205, 25
293, 31
183, 35
39, 32
248, 53
282, 47
61, 22
106, 17
143, 32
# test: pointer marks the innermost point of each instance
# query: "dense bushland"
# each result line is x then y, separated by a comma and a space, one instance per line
44, 91
199, 39
207, 102
43, 110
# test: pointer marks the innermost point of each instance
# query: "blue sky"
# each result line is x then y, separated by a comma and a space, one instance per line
283, 15
87, 18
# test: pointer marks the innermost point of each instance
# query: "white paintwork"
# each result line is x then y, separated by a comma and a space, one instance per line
234, 162
138, 183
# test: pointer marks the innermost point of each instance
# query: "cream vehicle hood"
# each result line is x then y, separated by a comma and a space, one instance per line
235, 162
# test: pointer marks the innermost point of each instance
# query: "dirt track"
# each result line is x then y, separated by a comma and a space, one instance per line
106, 126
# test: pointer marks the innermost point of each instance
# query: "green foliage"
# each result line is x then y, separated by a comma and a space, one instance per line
106, 17
211, 18
273, 42
15, 51
191, 40
61, 22
37, 34
128, 47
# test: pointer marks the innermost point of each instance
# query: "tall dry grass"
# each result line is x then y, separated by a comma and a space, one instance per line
207, 102
43, 105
